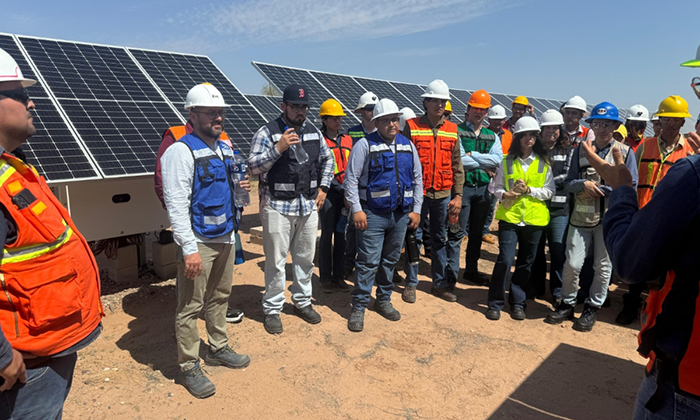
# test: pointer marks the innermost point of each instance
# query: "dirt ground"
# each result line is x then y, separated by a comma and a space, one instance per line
440, 361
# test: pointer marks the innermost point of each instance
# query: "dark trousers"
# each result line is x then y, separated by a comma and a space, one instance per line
554, 234
350, 246
331, 260
476, 202
511, 237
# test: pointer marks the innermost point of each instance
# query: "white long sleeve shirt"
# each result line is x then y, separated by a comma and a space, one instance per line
177, 168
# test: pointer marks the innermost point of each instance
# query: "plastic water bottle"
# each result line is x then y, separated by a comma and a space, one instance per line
343, 221
238, 175
298, 151
240, 258
454, 223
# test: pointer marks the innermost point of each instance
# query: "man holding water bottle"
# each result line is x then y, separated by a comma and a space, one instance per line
296, 169
199, 192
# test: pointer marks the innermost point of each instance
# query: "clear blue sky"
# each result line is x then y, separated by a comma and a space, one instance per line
623, 51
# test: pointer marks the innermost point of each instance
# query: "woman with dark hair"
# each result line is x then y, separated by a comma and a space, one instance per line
523, 184
556, 141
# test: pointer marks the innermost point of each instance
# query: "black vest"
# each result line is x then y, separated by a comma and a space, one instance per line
288, 179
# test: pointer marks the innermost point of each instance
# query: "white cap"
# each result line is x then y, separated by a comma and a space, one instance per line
638, 113
10, 71
204, 95
406, 114
497, 112
385, 107
526, 123
551, 117
367, 98
437, 89
576, 102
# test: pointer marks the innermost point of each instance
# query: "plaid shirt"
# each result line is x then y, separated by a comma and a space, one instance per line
264, 154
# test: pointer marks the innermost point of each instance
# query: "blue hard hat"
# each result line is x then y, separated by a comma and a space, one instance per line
604, 111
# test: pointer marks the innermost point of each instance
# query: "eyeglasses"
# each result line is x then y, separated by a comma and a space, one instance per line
439, 101
392, 120
672, 120
601, 124
19, 95
212, 113
298, 108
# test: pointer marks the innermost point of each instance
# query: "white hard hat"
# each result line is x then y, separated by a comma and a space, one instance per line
437, 89
497, 112
367, 98
551, 117
385, 107
205, 95
638, 113
406, 114
576, 102
10, 71
526, 123
654, 117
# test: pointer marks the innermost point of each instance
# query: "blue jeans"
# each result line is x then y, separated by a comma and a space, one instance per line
378, 251
675, 405
350, 246
489, 218
554, 235
475, 208
437, 210
331, 261
510, 237
42, 397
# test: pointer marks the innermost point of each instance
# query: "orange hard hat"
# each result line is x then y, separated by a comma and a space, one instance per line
480, 99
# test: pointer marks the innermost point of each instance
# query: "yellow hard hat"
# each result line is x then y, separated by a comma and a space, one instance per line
622, 130
673, 106
331, 108
521, 100
448, 107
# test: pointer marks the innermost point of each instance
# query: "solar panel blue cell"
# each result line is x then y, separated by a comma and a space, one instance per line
281, 77
539, 106
268, 106
502, 100
384, 89
344, 88
461, 95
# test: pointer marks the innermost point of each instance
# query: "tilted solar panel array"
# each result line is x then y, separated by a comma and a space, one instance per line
347, 90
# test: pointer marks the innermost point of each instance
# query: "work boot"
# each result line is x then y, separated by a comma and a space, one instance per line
227, 357
563, 312
444, 294
356, 323
233, 315
493, 314
341, 285
409, 294
630, 310
587, 319
197, 384
517, 313
476, 278
386, 309
308, 314
273, 324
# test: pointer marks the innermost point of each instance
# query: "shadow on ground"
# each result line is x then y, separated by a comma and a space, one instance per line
575, 383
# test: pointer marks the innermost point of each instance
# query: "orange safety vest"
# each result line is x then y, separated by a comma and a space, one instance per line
689, 364
435, 153
653, 167
506, 140
341, 154
50, 282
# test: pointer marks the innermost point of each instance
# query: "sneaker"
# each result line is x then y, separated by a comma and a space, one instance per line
586, 321
197, 384
273, 324
488, 239
444, 294
327, 287
227, 357
493, 314
517, 313
308, 314
234, 316
563, 312
356, 323
476, 278
409, 294
387, 310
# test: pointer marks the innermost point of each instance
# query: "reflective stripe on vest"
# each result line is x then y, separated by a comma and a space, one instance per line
435, 153
653, 166
389, 175
525, 208
341, 154
27, 253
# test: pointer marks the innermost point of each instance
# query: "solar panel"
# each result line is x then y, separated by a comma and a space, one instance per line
118, 113
462, 96
539, 106
282, 77
269, 106
412, 92
501, 100
53, 150
384, 89
344, 88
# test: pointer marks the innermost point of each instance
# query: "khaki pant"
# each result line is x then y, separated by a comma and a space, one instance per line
212, 286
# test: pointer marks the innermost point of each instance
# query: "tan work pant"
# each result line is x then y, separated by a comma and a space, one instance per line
212, 286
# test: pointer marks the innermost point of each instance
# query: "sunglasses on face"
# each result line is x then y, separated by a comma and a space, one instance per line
601, 124
393, 120
212, 114
298, 108
19, 95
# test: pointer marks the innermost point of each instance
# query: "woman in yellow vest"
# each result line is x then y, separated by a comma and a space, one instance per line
523, 184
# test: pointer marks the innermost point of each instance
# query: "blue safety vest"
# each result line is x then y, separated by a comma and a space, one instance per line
213, 204
390, 176
357, 132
